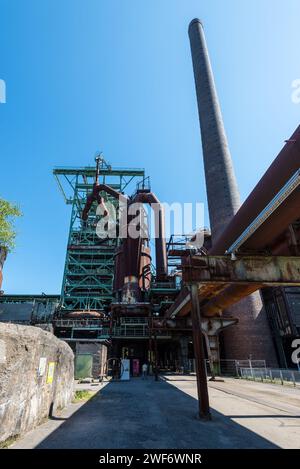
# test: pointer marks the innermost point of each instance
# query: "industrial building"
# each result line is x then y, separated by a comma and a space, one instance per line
120, 301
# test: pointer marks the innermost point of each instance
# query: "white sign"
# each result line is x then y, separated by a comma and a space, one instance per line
42, 366
125, 369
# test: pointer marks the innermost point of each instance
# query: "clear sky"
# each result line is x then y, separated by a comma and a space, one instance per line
116, 76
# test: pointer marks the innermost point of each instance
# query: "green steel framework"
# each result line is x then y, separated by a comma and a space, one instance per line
89, 265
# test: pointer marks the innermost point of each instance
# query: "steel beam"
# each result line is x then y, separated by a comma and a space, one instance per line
89, 171
223, 270
223, 281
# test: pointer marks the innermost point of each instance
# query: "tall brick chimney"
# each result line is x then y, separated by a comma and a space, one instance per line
252, 335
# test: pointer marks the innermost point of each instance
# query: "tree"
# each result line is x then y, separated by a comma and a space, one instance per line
8, 212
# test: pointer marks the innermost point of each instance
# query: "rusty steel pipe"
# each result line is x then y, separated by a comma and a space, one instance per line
280, 171
228, 297
270, 234
267, 236
160, 240
95, 196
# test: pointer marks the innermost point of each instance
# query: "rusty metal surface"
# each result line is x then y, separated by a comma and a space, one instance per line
181, 305
133, 259
83, 314
228, 297
264, 270
268, 234
206, 291
223, 282
160, 240
95, 196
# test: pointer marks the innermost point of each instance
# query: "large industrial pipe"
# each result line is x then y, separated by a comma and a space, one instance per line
280, 171
131, 247
160, 240
222, 191
228, 297
95, 196
132, 250
270, 235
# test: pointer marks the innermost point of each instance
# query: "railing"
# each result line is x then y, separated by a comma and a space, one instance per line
82, 323
164, 285
83, 169
138, 330
232, 367
271, 375
144, 185
181, 241
134, 321
131, 331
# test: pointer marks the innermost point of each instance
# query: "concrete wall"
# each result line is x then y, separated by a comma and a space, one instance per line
252, 336
26, 391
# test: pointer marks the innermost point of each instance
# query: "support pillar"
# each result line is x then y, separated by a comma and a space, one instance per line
203, 399
156, 357
184, 350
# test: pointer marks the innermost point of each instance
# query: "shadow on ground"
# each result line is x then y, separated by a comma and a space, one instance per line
148, 414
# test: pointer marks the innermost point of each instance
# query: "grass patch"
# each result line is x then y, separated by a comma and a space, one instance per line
83, 395
8, 442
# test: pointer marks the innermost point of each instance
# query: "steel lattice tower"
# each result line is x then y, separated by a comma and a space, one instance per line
89, 264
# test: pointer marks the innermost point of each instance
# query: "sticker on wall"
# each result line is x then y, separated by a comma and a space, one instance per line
42, 366
50, 374
2, 351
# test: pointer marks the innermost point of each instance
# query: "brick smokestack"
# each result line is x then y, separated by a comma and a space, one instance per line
221, 186
252, 335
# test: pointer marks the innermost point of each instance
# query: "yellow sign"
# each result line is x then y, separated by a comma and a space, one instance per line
50, 373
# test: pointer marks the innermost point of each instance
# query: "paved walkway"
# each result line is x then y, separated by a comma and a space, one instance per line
149, 414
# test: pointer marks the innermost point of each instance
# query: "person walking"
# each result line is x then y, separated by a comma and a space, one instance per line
144, 370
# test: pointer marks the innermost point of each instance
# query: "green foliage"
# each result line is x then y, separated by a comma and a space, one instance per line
83, 395
7, 443
8, 212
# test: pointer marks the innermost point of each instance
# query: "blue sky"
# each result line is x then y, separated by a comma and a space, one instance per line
116, 76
